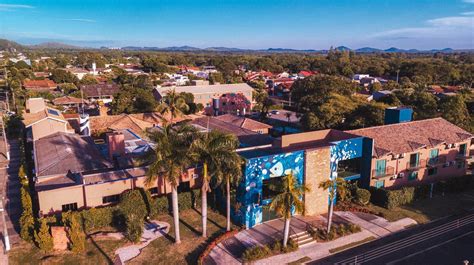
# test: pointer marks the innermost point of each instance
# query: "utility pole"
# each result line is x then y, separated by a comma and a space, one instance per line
398, 71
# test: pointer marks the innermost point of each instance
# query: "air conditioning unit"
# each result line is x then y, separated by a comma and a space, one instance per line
401, 175
195, 176
396, 156
402, 155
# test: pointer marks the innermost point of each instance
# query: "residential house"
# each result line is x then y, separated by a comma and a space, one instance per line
41, 121
103, 92
246, 123
44, 85
69, 102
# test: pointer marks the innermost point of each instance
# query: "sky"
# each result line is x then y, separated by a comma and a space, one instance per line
250, 24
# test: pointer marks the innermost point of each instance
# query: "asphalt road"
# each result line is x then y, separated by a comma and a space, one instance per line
447, 241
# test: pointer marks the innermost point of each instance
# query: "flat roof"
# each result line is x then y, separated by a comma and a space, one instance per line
204, 89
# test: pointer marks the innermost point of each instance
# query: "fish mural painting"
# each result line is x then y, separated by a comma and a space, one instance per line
261, 168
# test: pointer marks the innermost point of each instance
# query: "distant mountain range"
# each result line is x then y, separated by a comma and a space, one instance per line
5, 44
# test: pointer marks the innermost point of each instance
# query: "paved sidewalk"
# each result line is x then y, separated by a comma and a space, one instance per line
229, 251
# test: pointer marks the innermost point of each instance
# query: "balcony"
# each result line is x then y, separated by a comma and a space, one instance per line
388, 172
414, 166
462, 156
436, 161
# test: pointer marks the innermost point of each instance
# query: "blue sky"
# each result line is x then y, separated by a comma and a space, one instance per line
303, 24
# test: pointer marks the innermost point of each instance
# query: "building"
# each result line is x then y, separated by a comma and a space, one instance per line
44, 85
69, 102
72, 173
225, 98
416, 151
245, 123
41, 121
104, 92
312, 157
78, 72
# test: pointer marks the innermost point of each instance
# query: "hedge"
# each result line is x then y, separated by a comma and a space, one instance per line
393, 198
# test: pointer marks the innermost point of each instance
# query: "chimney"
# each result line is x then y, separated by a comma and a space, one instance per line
116, 144
398, 115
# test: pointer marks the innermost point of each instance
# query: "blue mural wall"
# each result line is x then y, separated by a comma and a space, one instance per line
258, 169
345, 150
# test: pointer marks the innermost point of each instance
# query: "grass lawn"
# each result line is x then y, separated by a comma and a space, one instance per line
98, 252
163, 251
427, 210
160, 251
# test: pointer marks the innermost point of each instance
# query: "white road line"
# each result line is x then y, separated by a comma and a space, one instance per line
430, 248
408, 241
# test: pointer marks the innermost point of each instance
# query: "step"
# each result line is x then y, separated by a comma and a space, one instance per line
305, 242
298, 234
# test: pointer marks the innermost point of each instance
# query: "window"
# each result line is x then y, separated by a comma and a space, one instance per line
380, 166
380, 184
434, 156
53, 112
69, 207
153, 191
413, 175
432, 171
460, 164
462, 149
184, 186
111, 198
269, 187
414, 160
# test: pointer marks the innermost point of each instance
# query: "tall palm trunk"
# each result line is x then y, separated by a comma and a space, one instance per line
331, 209
204, 201
228, 203
286, 231
174, 202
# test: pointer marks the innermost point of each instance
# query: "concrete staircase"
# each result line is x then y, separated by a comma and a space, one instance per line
302, 238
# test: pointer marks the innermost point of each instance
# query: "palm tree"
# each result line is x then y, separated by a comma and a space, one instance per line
173, 104
289, 198
288, 118
336, 186
229, 171
211, 149
169, 159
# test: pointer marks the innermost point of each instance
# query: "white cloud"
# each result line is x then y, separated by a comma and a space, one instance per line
452, 22
471, 13
81, 20
11, 7
469, 1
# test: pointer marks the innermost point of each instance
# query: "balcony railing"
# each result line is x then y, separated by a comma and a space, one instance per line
419, 164
436, 161
388, 172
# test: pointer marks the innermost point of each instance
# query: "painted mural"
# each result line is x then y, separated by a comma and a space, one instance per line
261, 168
344, 150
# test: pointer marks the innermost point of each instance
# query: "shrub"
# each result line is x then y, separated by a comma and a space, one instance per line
96, 218
159, 205
134, 210
76, 235
256, 253
27, 221
290, 247
189, 200
362, 196
134, 229
43, 238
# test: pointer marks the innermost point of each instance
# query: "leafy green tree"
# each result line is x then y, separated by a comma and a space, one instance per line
169, 160
75, 232
289, 198
88, 80
133, 208
366, 116
63, 76
68, 88
454, 109
27, 221
43, 238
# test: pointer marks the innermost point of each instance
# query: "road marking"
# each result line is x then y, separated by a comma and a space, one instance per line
430, 248
410, 240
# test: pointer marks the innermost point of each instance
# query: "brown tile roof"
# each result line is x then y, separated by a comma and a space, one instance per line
119, 122
66, 100
97, 90
30, 118
62, 152
246, 137
39, 84
410, 136
243, 122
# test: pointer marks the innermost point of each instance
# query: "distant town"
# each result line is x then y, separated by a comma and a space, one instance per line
227, 156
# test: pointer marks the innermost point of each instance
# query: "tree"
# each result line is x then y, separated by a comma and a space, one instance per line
169, 160
366, 116
88, 80
133, 208
289, 197
27, 221
454, 109
213, 150
62, 76
228, 171
337, 187
43, 238
76, 234
173, 104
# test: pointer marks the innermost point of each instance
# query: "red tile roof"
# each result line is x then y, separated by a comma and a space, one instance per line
243, 122
39, 84
409, 136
